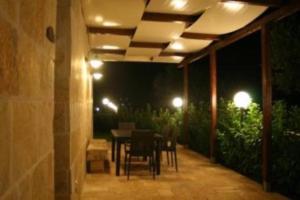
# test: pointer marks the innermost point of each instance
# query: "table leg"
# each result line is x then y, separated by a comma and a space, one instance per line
113, 149
157, 157
118, 163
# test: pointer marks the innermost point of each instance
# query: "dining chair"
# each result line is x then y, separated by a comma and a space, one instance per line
169, 145
142, 144
126, 125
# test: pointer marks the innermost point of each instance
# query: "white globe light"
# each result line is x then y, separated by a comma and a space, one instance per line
242, 100
97, 76
105, 101
177, 102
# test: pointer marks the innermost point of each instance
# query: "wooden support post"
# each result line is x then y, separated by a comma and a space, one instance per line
186, 104
213, 103
267, 107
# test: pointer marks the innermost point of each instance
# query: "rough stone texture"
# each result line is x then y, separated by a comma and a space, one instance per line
26, 99
196, 179
73, 100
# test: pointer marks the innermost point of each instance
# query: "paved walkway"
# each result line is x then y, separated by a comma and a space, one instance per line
197, 179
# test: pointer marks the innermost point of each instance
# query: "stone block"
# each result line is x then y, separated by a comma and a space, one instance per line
96, 166
8, 68
33, 12
24, 138
5, 142
42, 189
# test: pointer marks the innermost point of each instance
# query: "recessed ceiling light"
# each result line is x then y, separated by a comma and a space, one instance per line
110, 23
178, 4
110, 47
233, 6
176, 45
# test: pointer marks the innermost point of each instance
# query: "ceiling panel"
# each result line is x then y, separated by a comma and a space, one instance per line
148, 31
227, 17
132, 51
187, 45
137, 58
168, 59
107, 41
111, 57
113, 13
186, 7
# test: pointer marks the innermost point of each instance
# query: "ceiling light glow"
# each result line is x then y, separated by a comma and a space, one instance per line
110, 23
110, 47
233, 6
98, 19
178, 4
176, 46
95, 63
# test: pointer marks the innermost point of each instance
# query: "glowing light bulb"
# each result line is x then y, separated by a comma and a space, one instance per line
242, 100
177, 102
95, 63
97, 76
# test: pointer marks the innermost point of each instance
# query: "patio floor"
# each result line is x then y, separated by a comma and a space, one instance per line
196, 179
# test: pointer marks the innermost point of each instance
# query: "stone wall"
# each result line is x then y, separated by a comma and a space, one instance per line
26, 99
73, 100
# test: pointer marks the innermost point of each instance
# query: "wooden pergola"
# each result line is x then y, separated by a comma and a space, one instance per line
262, 24
157, 31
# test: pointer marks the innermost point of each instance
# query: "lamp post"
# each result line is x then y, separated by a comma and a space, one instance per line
242, 100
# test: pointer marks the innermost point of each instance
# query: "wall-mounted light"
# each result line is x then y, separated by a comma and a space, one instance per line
97, 76
178, 4
95, 63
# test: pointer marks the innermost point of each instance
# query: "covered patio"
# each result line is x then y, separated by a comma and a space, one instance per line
51, 50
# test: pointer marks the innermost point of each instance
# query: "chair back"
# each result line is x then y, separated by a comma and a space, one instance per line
169, 138
142, 143
126, 125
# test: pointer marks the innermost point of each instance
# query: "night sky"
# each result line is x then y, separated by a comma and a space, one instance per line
133, 83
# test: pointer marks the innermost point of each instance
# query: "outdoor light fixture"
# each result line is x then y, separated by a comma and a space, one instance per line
233, 6
97, 76
97, 109
110, 24
95, 63
242, 100
178, 4
105, 101
109, 104
177, 102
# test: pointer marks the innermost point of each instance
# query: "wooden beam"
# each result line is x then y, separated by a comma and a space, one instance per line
186, 105
269, 3
267, 107
109, 51
200, 36
164, 17
149, 45
213, 103
114, 31
284, 11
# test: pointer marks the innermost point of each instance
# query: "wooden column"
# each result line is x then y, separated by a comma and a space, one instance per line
267, 107
186, 104
213, 103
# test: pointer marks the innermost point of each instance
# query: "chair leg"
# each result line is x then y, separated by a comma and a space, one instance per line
172, 158
153, 166
176, 164
129, 165
125, 170
168, 157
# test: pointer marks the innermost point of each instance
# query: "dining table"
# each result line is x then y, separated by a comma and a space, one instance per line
122, 136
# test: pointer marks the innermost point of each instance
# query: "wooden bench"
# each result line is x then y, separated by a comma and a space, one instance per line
97, 155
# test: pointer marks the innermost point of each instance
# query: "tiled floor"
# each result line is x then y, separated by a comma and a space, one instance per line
197, 179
